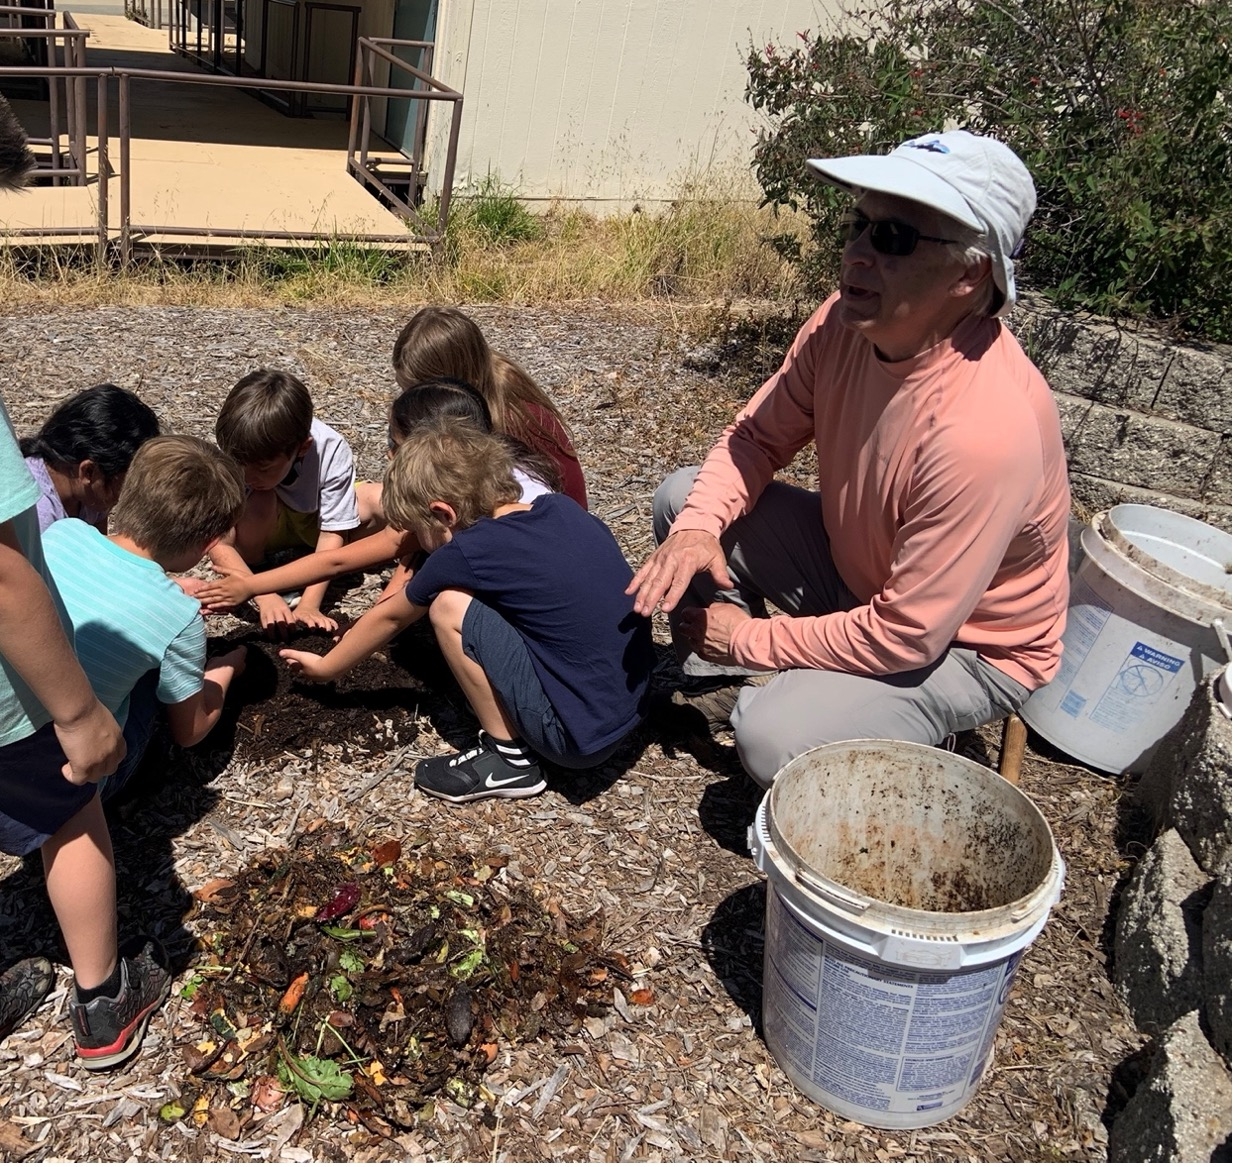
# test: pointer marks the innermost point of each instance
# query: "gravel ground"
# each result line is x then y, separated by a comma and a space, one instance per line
655, 841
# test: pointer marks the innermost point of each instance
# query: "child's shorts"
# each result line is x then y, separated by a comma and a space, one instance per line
36, 799
500, 650
293, 529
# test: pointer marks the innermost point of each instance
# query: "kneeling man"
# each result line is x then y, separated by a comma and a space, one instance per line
924, 587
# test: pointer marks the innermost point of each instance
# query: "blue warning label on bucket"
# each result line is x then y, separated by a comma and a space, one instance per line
1142, 679
1073, 703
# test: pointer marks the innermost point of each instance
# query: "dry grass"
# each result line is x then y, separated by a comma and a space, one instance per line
708, 245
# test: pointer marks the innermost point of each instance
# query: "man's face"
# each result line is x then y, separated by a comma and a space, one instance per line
902, 304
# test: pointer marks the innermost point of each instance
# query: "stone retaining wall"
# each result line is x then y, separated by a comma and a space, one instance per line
1173, 946
1148, 420
1145, 419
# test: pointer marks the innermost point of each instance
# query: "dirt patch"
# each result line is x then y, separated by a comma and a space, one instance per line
270, 712
375, 976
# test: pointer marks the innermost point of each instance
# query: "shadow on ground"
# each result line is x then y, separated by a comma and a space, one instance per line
734, 943
162, 800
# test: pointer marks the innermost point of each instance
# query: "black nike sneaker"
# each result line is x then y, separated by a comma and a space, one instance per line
491, 769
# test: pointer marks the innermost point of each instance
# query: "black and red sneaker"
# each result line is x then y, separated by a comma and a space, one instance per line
108, 1030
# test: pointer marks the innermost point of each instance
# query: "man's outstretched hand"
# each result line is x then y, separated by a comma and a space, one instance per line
666, 574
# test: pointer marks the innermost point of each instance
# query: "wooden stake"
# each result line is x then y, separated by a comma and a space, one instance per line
1013, 748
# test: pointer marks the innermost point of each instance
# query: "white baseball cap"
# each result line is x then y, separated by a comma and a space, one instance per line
978, 181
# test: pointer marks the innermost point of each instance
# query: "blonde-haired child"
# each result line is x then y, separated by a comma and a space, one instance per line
528, 603
424, 404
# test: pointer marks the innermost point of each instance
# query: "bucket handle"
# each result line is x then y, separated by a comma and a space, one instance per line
831, 892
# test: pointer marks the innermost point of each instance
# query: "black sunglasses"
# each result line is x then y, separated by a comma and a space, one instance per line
889, 236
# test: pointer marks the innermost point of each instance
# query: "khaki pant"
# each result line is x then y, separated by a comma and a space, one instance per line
779, 553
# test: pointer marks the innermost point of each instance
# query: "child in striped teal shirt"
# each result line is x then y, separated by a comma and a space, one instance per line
138, 636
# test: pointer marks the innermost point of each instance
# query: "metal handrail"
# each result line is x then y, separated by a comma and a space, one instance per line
125, 77
359, 135
74, 48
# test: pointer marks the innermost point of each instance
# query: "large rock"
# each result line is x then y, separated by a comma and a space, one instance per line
1218, 967
1157, 947
1189, 782
1182, 1111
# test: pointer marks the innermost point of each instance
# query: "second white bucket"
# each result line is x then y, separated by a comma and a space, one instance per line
905, 883
1147, 608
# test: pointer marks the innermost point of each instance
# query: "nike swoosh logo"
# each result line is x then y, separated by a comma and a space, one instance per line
492, 783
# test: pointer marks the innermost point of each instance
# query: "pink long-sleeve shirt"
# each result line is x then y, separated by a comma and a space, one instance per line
943, 492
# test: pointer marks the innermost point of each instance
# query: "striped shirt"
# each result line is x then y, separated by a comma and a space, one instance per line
128, 617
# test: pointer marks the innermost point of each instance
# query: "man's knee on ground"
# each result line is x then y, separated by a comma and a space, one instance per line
669, 498
759, 736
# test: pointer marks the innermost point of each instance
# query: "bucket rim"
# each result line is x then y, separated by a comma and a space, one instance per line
862, 909
1130, 574
1106, 525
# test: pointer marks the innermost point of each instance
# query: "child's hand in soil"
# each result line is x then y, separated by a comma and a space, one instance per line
275, 615
313, 618
308, 665
218, 595
228, 666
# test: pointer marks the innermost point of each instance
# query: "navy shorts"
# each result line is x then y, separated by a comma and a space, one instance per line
36, 799
500, 650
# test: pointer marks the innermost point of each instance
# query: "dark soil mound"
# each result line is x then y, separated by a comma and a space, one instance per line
269, 710
360, 973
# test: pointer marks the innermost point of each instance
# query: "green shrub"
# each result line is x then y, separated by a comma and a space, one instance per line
1121, 109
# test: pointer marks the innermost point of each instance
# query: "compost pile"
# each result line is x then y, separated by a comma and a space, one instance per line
376, 976
270, 711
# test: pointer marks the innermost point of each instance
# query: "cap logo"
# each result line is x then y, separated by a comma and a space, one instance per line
933, 145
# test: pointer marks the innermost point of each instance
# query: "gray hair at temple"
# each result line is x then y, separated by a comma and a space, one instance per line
16, 161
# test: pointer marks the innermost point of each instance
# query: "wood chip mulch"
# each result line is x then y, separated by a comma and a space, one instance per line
647, 854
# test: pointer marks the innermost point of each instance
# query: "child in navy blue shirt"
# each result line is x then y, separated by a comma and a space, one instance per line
528, 603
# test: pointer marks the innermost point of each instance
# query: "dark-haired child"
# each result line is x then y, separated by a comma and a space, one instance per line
80, 455
301, 486
528, 604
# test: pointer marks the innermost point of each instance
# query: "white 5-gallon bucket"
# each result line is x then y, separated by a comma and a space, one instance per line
904, 885
1146, 613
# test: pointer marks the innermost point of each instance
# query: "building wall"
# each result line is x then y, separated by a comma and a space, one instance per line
604, 100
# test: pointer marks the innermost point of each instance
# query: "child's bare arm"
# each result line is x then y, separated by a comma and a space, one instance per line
192, 719
309, 610
373, 551
399, 580
34, 645
385, 619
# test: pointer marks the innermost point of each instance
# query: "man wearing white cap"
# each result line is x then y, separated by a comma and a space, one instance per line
924, 587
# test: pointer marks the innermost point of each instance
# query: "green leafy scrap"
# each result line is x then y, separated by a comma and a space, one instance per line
341, 987
315, 1079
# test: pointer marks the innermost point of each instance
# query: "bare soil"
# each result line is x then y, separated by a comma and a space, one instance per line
643, 862
269, 711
